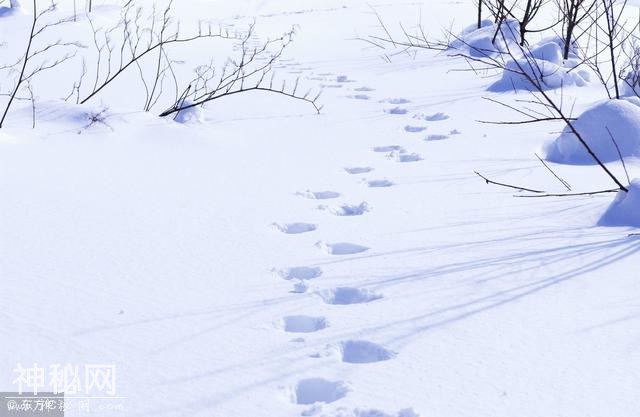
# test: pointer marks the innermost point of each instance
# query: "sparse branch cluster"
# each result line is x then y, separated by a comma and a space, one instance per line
143, 43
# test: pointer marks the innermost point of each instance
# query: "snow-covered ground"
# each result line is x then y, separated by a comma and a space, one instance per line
270, 261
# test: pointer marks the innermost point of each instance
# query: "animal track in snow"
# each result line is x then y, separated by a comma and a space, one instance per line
299, 287
358, 170
365, 89
299, 272
304, 324
360, 97
395, 101
389, 148
319, 195
404, 157
397, 110
454, 132
319, 390
341, 248
371, 412
343, 79
347, 209
379, 183
436, 117
414, 129
362, 351
295, 228
437, 137
348, 295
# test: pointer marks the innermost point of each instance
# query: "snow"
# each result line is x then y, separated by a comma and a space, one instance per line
625, 209
194, 256
541, 62
597, 125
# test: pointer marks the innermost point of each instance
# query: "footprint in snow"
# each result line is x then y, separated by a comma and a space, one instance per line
341, 248
379, 183
318, 195
397, 110
348, 295
319, 390
436, 137
330, 85
454, 132
347, 209
436, 117
304, 324
365, 89
343, 79
295, 228
362, 351
395, 101
360, 412
414, 129
360, 97
405, 157
358, 170
389, 148
298, 272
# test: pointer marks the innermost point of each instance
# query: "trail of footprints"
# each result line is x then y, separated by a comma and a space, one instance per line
317, 391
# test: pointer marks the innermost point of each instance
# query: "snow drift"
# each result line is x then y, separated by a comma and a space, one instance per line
617, 118
625, 209
479, 42
542, 62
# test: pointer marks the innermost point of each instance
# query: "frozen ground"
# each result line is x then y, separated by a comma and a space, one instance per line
269, 261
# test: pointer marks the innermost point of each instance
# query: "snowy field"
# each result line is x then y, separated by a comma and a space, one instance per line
262, 259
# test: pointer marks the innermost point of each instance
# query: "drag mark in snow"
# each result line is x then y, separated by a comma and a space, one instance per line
358, 170
319, 390
362, 351
304, 324
341, 248
299, 272
295, 228
348, 295
347, 209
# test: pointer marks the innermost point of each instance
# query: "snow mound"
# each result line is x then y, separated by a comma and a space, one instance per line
620, 117
14, 7
479, 42
625, 209
543, 62
190, 115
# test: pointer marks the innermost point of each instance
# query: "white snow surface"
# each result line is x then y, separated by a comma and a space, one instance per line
150, 244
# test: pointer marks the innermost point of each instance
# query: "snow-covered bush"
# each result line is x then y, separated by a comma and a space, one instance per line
193, 114
488, 40
625, 209
597, 125
544, 63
